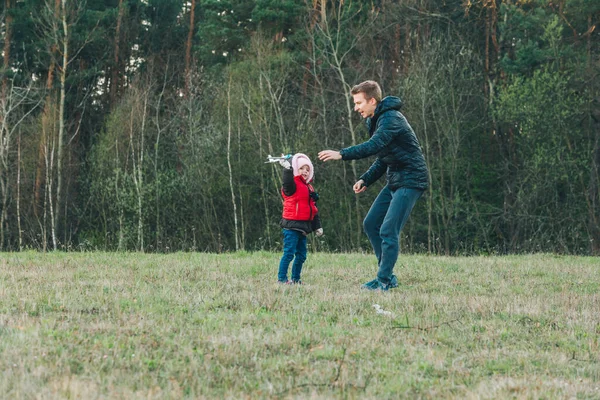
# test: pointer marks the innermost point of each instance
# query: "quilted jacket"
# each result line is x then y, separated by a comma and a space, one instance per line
396, 146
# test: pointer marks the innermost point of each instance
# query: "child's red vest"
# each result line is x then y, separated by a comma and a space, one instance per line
299, 206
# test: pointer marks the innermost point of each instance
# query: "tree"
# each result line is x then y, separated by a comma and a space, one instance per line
16, 105
188, 46
335, 39
57, 19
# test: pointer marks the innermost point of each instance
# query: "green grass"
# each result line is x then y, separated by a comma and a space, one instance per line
108, 325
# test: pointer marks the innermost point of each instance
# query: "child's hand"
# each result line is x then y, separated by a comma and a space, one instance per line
285, 164
319, 232
284, 161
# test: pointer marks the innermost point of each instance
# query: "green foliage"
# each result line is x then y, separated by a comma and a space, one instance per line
227, 26
224, 32
536, 37
541, 112
164, 32
275, 16
544, 105
500, 98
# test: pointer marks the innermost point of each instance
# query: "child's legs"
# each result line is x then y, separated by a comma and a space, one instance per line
374, 219
290, 242
300, 257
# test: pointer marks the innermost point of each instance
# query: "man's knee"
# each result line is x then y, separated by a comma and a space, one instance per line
370, 226
389, 235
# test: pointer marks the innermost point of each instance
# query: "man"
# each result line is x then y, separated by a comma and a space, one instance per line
400, 157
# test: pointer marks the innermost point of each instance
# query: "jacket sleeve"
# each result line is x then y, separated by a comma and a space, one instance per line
316, 223
289, 186
377, 169
380, 139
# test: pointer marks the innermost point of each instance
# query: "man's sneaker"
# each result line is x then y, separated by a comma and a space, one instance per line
295, 282
371, 285
375, 284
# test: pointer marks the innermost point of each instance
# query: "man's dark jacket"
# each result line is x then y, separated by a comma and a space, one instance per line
395, 144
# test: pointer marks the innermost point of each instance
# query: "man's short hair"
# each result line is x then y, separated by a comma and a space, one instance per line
371, 90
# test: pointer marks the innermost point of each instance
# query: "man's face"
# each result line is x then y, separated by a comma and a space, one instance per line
366, 108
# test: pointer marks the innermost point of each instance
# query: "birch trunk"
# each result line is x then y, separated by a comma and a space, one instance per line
19, 192
138, 177
235, 220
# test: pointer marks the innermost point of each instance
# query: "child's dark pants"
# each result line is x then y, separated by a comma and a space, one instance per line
294, 248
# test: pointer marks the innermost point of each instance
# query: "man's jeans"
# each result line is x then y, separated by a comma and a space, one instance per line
294, 248
386, 218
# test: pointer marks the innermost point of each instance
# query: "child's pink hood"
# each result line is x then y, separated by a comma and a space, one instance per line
300, 160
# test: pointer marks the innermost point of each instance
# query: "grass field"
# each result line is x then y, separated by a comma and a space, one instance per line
190, 325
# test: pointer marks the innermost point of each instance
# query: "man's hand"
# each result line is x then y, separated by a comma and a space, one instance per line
327, 155
319, 232
359, 187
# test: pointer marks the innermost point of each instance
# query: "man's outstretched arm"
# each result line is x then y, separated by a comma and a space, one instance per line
327, 155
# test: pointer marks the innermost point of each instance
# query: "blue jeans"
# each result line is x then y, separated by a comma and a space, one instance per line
383, 223
294, 248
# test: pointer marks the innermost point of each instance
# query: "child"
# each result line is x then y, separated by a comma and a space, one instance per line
300, 215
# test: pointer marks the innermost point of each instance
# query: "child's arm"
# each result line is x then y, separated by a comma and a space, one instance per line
316, 226
289, 186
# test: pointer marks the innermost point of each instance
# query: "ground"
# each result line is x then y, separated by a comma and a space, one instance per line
194, 325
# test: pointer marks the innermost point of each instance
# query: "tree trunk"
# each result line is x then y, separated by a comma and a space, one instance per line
116, 69
188, 48
49, 204
487, 52
258, 133
138, 177
43, 139
47, 143
242, 225
44, 223
61, 120
4, 214
235, 220
595, 192
121, 237
349, 108
19, 192
396, 51
429, 158
4, 133
8, 22
157, 123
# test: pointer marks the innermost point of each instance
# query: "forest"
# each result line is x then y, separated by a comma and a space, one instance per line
144, 125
